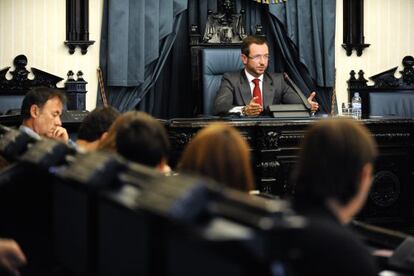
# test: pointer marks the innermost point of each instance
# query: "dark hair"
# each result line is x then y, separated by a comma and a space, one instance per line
332, 156
96, 123
221, 153
142, 139
39, 96
245, 48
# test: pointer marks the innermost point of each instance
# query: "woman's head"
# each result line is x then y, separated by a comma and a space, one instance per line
219, 151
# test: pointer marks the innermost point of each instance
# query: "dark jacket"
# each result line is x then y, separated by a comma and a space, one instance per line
235, 91
325, 247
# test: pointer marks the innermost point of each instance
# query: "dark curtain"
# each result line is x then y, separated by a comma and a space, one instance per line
171, 95
137, 37
305, 30
163, 86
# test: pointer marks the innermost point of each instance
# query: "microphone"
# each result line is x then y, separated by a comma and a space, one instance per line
298, 91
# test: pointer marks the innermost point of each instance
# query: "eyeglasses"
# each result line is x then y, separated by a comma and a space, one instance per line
258, 58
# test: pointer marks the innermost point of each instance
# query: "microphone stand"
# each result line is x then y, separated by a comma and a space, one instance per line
298, 92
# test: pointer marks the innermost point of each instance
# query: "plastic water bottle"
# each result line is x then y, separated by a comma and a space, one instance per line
356, 106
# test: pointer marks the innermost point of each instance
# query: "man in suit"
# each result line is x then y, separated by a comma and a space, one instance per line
252, 90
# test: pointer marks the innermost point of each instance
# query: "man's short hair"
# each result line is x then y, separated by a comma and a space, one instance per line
39, 96
245, 48
332, 156
143, 140
97, 123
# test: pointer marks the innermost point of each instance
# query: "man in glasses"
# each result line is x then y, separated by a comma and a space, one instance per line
252, 90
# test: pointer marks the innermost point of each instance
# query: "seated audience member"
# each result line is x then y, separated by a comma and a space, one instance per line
108, 142
11, 257
219, 152
95, 126
251, 90
41, 110
333, 179
139, 137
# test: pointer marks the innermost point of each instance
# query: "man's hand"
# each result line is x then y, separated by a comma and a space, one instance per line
61, 134
11, 256
314, 105
253, 108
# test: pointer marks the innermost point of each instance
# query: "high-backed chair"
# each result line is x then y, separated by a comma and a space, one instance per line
214, 63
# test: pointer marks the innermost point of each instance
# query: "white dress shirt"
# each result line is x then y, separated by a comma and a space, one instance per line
250, 78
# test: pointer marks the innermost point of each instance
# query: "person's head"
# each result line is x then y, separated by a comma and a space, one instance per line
220, 152
41, 110
255, 55
138, 137
108, 142
143, 140
336, 163
95, 126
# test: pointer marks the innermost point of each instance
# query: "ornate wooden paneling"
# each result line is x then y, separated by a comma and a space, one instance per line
275, 145
19, 84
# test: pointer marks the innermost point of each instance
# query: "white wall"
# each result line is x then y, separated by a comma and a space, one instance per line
389, 28
37, 29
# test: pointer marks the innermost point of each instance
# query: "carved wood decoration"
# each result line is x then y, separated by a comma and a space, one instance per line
275, 146
19, 84
385, 81
225, 25
77, 25
75, 91
353, 30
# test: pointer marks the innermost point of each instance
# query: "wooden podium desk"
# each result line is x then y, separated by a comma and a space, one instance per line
274, 144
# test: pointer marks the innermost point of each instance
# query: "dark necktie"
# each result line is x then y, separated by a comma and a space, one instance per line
256, 91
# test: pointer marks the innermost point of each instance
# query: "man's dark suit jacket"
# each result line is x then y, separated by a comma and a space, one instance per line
235, 91
325, 247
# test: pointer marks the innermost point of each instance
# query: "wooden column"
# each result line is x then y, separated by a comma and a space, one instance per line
353, 29
77, 25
